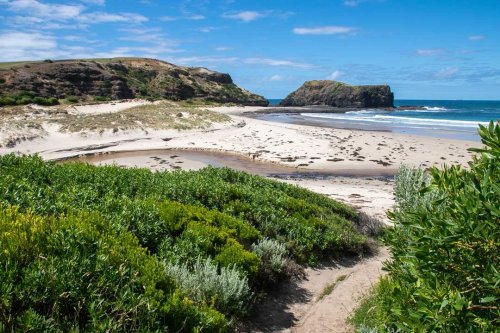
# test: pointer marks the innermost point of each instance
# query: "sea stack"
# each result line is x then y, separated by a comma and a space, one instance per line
342, 95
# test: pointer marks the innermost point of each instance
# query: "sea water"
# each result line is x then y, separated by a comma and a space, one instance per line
437, 118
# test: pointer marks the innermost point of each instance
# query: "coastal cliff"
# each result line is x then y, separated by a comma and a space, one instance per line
120, 78
338, 94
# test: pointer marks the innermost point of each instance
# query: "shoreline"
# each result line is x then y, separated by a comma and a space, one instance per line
349, 165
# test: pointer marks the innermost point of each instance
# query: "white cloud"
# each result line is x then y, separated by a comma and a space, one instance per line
26, 46
95, 2
351, 3
204, 60
206, 29
101, 17
430, 52
153, 39
223, 48
186, 17
276, 78
57, 16
335, 75
355, 3
38, 9
234, 60
277, 62
27, 41
447, 72
476, 37
251, 15
245, 16
327, 30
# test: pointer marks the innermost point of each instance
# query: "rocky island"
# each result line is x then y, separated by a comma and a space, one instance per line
342, 95
118, 78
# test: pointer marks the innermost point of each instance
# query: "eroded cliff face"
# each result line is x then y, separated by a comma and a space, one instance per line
122, 78
338, 94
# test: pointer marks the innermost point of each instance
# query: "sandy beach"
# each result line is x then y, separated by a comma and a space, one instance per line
365, 159
353, 166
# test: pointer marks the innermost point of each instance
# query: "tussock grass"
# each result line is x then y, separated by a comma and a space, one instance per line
330, 287
162, 115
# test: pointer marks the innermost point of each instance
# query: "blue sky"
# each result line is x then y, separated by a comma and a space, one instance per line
424, 49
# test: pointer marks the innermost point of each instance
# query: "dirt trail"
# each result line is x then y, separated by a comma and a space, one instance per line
297, 307
330, 313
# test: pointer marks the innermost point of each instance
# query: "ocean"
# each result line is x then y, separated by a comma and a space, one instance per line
439, 118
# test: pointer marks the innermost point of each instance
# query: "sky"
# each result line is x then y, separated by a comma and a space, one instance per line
424, 49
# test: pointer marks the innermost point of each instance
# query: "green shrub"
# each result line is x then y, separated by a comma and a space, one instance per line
101, 98
273, 256
75, 273
72, 99
45, 101
443, 275
176, 217
7, 101
24, 100
309, 224
206, 283
232, 253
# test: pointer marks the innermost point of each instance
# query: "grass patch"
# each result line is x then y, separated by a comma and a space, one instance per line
25, 122
162, 115
330, 287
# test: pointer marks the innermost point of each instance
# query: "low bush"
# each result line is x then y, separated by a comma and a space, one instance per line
273, 256
24, 100
205, 219
7, 101
310, 225
101, 98
74, 273
45, 101
72, 99
224, 288
443, 274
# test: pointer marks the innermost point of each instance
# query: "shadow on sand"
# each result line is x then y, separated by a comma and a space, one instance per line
282, 307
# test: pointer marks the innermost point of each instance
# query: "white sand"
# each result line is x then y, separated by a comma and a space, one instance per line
110, 107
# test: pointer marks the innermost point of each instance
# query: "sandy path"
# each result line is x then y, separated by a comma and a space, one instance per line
296, 307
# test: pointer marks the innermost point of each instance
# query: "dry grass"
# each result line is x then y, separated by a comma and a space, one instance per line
163, 115
21, 122
330, 287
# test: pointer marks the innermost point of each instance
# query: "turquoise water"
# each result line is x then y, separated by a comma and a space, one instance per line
439, 118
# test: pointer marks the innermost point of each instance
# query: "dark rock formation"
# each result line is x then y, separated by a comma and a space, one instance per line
122, 78
338, 94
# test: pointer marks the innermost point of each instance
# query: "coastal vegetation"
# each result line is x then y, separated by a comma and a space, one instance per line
32, 122
443, 274
85, 248
27, 98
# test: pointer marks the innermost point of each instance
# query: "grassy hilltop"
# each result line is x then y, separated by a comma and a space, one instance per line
47, 82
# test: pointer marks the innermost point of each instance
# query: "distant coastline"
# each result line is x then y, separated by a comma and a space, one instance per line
450, 119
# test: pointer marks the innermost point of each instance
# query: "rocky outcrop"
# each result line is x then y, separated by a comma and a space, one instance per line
338, 94
122, 78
